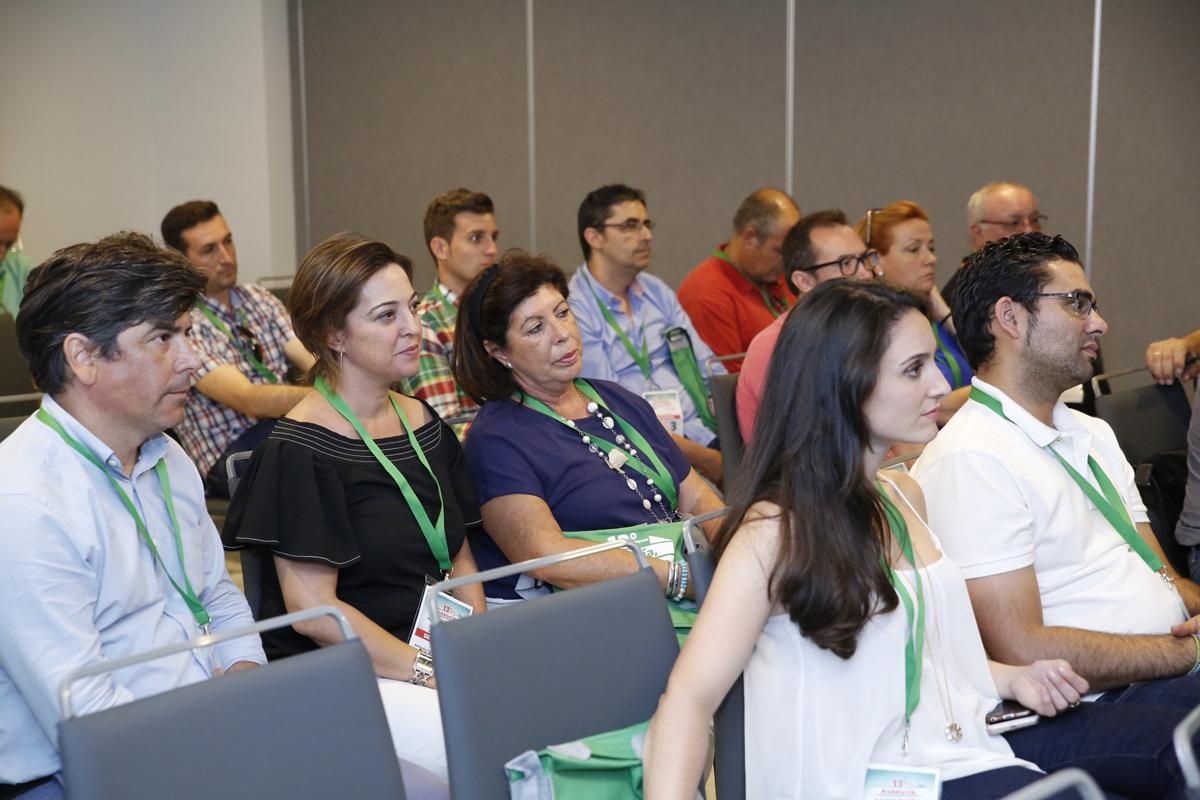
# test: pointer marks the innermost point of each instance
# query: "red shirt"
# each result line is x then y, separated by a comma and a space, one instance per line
727, 308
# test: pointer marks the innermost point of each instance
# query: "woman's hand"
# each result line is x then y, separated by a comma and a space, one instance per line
1046, 687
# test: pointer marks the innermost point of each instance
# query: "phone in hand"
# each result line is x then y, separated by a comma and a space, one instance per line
1009, 715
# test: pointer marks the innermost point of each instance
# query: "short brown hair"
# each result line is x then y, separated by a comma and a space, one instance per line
183, 217
326, 288
484, 313
439, 217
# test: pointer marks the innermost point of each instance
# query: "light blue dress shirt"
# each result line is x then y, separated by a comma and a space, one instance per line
654, 309
78, 585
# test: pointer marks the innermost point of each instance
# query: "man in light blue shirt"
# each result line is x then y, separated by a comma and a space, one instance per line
106, 549
14, 264
634, 330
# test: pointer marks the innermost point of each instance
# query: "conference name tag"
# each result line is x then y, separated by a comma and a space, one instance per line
444, 605
889, 782
667, 407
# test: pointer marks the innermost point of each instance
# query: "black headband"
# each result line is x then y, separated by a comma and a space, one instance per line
476, 307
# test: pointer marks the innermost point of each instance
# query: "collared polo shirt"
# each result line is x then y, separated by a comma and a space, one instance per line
727, 307
999, 502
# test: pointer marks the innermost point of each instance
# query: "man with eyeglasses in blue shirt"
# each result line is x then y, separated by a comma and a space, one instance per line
634, 330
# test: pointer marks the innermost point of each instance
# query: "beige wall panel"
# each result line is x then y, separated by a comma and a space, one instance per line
406, 100
682, 100
1147, 180
929, 100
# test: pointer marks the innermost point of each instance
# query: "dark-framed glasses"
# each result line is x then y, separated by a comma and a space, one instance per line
251, 341
630, 225
1034, 221
1079, 302
850, 265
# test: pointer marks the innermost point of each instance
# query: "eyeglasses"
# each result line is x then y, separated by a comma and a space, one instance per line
849, 265
630, 225
871, 212
1078, 302
247, 336
1034, 221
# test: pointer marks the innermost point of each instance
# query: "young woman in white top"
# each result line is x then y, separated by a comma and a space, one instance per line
829, 581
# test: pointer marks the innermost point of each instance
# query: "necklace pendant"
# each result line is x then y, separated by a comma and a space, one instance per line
616, 459
953, 732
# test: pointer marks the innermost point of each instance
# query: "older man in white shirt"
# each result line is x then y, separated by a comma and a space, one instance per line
106, 549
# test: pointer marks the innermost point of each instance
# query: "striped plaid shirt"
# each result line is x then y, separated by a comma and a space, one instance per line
209, 427
434, 383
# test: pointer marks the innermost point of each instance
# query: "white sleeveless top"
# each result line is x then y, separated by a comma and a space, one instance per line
814, 721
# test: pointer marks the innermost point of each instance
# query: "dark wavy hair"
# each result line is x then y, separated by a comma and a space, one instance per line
1015, 267
807, 458
99, 289
484, 312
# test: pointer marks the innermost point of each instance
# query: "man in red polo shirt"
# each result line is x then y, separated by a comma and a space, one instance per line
740, 289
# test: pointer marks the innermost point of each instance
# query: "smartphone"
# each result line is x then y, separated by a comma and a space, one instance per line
1009, 715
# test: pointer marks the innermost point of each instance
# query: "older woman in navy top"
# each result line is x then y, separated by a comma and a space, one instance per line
550, 452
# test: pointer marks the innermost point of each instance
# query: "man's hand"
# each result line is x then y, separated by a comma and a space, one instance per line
1166, 360
1048, 687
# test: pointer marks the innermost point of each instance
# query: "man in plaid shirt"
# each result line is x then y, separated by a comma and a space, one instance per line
461, 234
244, 340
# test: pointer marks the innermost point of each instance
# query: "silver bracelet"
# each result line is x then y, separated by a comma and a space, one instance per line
672, 577
422, 668
681, 590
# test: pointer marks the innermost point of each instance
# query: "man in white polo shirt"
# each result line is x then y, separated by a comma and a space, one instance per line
1037, 504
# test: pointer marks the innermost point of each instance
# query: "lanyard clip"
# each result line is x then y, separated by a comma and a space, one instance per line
904, 742
205, 630
1167, 579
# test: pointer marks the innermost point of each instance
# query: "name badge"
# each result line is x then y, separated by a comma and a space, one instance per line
667, 407
444, 605
888, 782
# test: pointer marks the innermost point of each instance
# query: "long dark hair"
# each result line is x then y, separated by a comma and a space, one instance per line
807, 458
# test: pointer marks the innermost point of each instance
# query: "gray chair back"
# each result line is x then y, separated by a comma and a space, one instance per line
309, 726
1185, 752
1051, 785
724, 393
729, 723
548, 670
8, 425
1147, 419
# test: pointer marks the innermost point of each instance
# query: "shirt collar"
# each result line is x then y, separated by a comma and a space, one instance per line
741, 281
1065, 425
448, 293
235, 302
636, 288
149, 453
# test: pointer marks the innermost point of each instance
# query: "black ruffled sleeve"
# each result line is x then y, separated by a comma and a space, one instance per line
292, 500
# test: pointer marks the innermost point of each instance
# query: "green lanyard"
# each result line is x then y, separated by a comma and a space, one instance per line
944, 349
775, 305
914, 646
642, 357
261, 368
186, 591
683, 357
1110, 505
435, 534
658, 473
